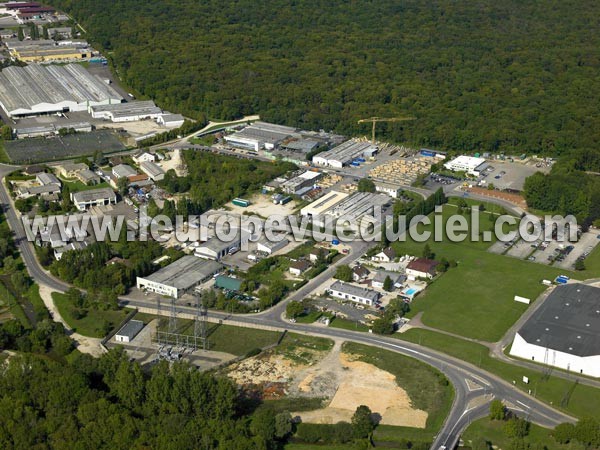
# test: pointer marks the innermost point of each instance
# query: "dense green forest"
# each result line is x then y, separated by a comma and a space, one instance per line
506, 76
569, 188
109, 403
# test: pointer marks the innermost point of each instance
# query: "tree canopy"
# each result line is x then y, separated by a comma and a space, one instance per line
506, 76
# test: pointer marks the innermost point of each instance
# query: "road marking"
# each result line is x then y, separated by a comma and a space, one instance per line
479, 379
523, 404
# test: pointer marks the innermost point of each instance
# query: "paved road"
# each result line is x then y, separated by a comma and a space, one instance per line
469, 381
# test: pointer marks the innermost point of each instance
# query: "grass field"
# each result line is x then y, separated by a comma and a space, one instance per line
8, 300
427, 388
4, 159
239, 341
230, 339
592, 265
95, 324
476, 298
583, 400
78, 186
311, 317
492, 432
316, 447
346, 324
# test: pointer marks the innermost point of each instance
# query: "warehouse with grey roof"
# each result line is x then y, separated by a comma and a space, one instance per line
179, 277
565, 331
126, 112
48, 89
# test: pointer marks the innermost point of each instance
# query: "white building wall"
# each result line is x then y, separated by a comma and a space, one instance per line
353, 298
583, 365
414, 274
158, 288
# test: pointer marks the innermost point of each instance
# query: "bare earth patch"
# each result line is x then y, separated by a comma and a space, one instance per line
360, 383
337, 376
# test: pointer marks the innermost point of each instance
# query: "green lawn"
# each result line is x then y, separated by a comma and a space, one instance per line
346, 324
311, 317
95, 323
316, 447
476, 298
592, 265
3, 155
492, 432
33, 295
239, 340
78, 186
427, 388
583, 401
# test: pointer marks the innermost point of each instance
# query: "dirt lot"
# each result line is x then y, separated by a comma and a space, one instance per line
359, 383
176, 162
262, 205
336, 376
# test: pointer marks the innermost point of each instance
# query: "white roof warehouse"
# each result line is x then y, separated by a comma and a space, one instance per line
47, 89
179, 277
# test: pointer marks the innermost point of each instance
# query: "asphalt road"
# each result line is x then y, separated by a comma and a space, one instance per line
469, 382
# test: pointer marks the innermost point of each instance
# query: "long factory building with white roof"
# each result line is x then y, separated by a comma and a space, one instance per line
48, 89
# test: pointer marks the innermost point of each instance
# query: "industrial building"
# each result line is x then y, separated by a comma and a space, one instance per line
47, 178
565, 331
392, 189
300, 145
88, 177
47, 50
269, 247
43, 190
322, 204
301, 184
261, 135
352, 209
344, 154
216, 249
70, 170
48, 89
123, 171
353, 293
144, 156
179, 277
94, 197
51, 130
126, 112
154, 171
469, 164
170, 120
129, 331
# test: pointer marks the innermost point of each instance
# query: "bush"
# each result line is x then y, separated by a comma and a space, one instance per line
313, 433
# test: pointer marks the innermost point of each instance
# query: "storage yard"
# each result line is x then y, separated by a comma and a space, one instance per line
348, 153
402, 171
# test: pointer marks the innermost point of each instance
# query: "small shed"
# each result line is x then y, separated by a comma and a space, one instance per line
129, 331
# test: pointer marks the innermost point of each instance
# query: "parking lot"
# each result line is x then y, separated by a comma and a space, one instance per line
545, 252
587, 242
27, 151
509, 175
520, 249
